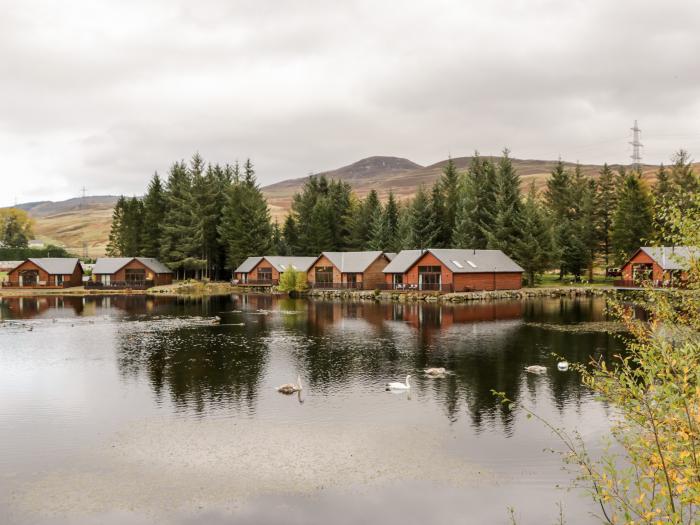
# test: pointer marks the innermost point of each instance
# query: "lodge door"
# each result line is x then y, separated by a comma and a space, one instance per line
29, 278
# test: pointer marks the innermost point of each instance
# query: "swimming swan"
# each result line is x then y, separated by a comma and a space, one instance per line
399, 386
216, 320
290, 388
435, 372
563, 366
536, 369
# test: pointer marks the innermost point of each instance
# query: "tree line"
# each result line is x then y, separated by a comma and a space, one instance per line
208, 218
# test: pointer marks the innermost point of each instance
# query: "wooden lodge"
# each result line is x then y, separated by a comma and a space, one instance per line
266, 270
129, 272
48, 272
450, 270
663, 266
353, 270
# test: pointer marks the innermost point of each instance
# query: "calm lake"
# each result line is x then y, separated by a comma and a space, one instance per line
138, 410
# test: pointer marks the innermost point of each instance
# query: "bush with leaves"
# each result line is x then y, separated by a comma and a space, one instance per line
653, 477
292, 281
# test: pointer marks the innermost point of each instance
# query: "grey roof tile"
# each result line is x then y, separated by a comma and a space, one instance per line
352, 262
672, 257
248, 264
56, 265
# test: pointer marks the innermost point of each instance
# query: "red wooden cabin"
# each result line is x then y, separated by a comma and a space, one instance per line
451, 270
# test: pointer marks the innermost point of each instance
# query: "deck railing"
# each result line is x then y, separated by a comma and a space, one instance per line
628, 283
425, 287
257, 282
16, 284
336, 286
119, 285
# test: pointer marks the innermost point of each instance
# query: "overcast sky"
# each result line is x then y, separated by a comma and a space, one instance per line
101, 93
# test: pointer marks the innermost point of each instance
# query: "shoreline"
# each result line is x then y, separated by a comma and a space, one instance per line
197, 289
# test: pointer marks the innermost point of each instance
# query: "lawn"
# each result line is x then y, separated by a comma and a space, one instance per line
552, 279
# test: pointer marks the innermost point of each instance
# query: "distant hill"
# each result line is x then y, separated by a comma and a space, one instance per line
69, 223
403, 177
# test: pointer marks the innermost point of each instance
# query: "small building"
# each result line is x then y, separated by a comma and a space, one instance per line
47, 272
358, 270
452, 270
661, 266
129, 272
242, 273
268, 269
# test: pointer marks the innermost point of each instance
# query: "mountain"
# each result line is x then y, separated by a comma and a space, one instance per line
74, 221
403, 177
71, 222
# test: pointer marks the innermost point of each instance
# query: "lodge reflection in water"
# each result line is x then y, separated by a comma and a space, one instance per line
338, 344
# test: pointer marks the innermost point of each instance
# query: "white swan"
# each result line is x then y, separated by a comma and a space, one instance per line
290, 388
216, 320
399, 386
536, 369
563, 366
435, 372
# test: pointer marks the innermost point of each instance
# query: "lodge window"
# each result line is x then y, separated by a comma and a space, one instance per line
429, 277
134, 275
398, 278
265, 274
324, 274
352, 280
59, 280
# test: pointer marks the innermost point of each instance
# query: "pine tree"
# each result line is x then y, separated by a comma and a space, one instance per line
179, 227
632, 224
506, 226
291, 235
378, 238
132, 223
153, 218
391, 218
449, 183
438, 217
115, 246
476, 208
422, 226
361, 225
607, 190
246, 228
533, 247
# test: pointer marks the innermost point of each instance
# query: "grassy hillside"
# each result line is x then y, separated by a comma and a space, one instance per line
403, 177
71, 222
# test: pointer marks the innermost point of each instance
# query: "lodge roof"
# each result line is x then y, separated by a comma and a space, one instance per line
352, 262
457, 261
403, 261
110, 265
9, 265
247, 265
283, 262
56, 265
671, 257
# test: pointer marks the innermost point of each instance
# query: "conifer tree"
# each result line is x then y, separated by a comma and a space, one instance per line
438, 217
291, 235
391, 218
422, 226
379, 234
246, 228
132, 223
361, 225
476, 207
505, 228
179, 226
532, 249
115, 244
153, 218
449, 183
607, 191
632, 224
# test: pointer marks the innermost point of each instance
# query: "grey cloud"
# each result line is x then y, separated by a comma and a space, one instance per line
103, 93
